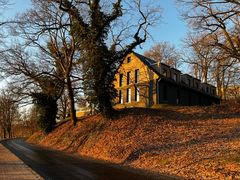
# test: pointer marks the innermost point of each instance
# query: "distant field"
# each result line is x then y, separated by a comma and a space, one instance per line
192, 142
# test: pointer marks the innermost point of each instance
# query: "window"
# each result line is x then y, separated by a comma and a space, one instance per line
207, 89
128, 95
164, 73
129, 59
128, 77
136, 94
175, 77
189, 82
120, 97
197, 86
136, 75
120, 80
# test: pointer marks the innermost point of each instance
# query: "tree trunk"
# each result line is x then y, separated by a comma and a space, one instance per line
205, 74
72, 103
4, 133
47, 111
9, 134
107, 110
106, 106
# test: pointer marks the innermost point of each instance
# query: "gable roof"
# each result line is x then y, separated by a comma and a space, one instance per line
148, 62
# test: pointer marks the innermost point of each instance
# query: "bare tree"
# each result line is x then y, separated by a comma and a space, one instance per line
8, 112
164, 52
32, 77
200, 55
30, 119
209, 63
48, 53
224, 73
100, 28
63, 106
220, 18
46, 27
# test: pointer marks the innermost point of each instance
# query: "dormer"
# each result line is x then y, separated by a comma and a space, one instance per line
187, 80
212, 90
205, 88
196, 83
175, 75
165, 70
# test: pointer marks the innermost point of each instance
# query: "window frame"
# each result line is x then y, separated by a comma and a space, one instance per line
137, 94
129, 59
175, 77
128, 95
120, 97
164, 72
189, 82
197, 85
128, 77
120, 80
136, 76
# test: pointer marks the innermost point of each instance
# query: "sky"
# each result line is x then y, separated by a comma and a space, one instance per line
171, 28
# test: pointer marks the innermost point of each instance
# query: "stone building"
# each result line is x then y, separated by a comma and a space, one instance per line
143, 82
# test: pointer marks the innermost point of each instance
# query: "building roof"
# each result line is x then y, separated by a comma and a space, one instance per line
153, 65
204, 83
148, 62
175, 69
188, 75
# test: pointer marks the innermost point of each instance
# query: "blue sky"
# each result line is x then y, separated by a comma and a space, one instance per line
171, 28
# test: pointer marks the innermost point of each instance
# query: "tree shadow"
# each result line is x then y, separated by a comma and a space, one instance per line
172, 114
82, 138
234, 134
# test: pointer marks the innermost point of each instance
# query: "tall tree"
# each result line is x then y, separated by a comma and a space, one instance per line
34, 78
93, 24
220, 18
164, 52
224, 72
63, 106
8, 111
209, 63
44, 29
200, 55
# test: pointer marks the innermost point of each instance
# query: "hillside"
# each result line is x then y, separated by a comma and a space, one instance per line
192, 142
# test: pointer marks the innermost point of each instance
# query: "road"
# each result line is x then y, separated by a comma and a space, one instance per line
58, 165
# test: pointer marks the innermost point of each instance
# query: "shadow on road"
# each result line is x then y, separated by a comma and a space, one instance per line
58, 165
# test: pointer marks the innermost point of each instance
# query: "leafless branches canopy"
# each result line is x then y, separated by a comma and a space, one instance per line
220, 18
9, 112
106, 31
164, 52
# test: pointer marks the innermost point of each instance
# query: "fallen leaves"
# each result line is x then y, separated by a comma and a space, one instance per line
192, 142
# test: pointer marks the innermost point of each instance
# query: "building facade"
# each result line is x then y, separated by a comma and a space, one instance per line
143, 82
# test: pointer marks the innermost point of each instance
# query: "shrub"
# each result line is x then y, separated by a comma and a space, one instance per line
46, 111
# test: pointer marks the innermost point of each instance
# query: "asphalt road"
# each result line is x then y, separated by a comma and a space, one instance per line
58, 165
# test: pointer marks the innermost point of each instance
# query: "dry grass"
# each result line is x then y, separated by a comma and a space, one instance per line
192, 142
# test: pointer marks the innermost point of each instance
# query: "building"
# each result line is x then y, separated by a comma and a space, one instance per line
143, 82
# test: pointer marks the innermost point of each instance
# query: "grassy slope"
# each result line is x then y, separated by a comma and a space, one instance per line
193, 142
